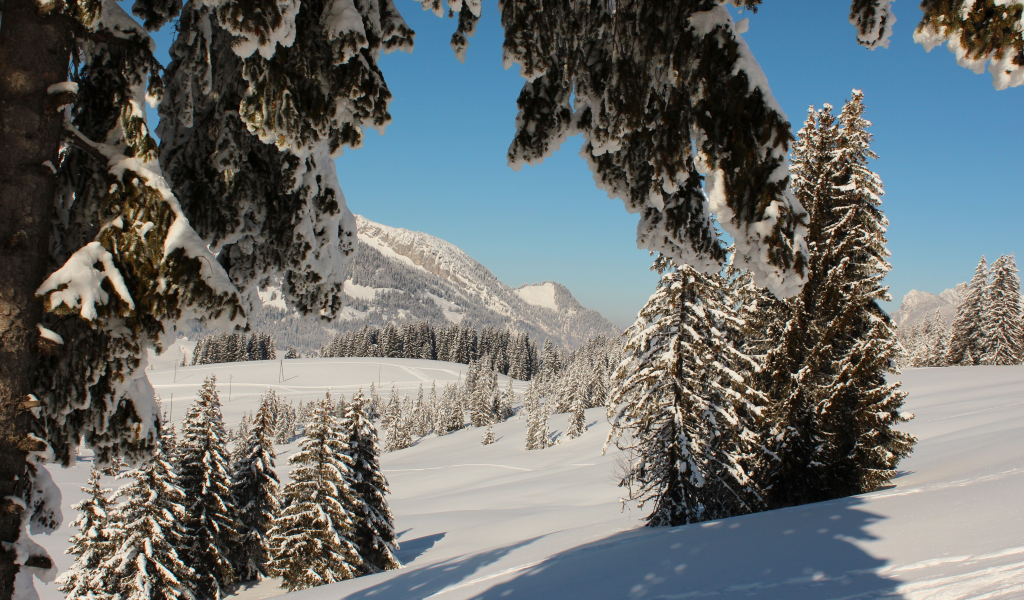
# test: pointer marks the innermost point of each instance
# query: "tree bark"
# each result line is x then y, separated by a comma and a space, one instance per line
34, 54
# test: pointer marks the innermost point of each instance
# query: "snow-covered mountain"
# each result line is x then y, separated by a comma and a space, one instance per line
400, 275
916, 305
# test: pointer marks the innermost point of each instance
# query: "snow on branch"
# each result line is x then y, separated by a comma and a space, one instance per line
77, 286
979, 34
873, 20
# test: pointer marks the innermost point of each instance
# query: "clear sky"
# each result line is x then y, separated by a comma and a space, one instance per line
950, 151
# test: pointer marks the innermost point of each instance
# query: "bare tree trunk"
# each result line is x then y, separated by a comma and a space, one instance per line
34, 54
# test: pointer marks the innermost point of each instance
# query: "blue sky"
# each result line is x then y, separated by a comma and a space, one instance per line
950, 151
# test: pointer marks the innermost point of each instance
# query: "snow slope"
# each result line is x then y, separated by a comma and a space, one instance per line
500, 522
542, 294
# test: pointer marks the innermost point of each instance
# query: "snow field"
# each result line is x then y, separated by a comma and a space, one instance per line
498, 521
539, 295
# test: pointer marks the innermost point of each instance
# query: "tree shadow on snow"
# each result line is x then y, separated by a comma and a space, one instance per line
416, 584
409, 551
801, 553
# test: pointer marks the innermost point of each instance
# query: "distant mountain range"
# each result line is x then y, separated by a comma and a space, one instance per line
400, 275
917, 304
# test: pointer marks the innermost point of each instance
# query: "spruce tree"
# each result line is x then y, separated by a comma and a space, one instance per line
1003, 322
398, 435
680, 410
147, 563
488, 438
314, 540
577, 419
536, 430
967, 338
211, 516
938, 342
255, 493
374, 525
832, 414
91, 545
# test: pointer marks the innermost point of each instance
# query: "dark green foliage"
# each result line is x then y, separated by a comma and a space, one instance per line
509, 353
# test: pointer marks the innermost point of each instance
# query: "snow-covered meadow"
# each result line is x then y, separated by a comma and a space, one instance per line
501, 522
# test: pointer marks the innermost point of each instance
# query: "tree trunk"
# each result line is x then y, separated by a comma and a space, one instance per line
34, 54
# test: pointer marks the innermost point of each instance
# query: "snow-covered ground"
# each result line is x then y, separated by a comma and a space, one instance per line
501, 522
539, 295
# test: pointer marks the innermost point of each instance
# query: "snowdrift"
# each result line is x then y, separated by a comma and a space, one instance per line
501, 522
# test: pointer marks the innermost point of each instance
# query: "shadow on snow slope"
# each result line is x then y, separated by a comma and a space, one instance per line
447, 575
802, 553
412, 549
805, 552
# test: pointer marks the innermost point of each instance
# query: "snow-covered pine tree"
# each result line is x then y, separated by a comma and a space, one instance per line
397, 436
91, 544
488, 438
374, 409
374, 525
147, 563
832, 414
420, 415
550, 363
255, 492
938, 342
314, 542
392, 411
919, 355
577, 419
967, 339
1003, 322
680, 409
169, 444
211, 516
505, 409
536, 419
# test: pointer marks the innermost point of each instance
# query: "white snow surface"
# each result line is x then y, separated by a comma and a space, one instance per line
498, 521
539, 295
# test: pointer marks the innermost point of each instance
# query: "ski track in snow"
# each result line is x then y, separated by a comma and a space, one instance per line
498, 522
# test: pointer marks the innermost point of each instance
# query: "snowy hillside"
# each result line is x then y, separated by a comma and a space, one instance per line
502, 522
399, 275
461, 287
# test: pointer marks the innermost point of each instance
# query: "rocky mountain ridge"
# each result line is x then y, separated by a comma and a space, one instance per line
401, 275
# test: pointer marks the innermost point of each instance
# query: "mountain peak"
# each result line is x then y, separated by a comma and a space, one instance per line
420, 276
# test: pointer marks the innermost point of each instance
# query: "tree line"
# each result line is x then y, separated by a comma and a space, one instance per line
194, 519
988, 328
509, 353
223, 347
